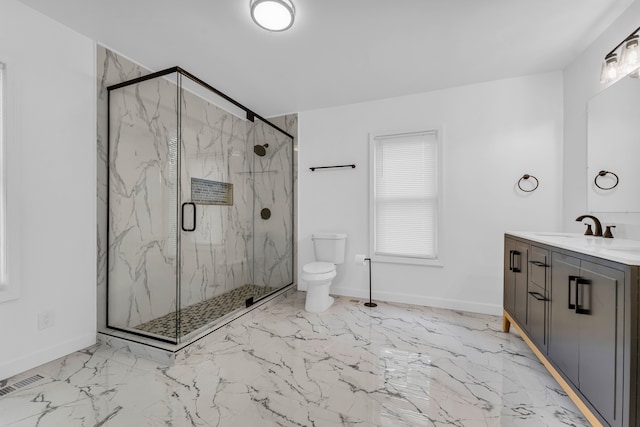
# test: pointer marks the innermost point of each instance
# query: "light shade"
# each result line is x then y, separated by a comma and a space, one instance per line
610, 70
630, 56
273, 15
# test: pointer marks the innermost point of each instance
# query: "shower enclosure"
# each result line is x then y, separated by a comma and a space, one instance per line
200, 202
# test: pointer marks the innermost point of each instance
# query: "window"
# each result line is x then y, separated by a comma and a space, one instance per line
10, 211
9, 282
3, 268
405, 197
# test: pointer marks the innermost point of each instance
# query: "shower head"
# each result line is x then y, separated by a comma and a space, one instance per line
260, 149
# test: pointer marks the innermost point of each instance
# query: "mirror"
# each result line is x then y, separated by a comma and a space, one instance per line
613, 144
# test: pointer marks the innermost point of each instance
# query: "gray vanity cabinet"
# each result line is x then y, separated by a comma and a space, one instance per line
515, 279
582, 316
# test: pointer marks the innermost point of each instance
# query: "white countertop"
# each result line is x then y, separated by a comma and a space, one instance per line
619, 250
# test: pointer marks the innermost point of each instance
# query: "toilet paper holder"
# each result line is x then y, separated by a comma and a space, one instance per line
362, 259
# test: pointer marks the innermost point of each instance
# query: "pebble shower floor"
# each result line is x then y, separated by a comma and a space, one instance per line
198, 315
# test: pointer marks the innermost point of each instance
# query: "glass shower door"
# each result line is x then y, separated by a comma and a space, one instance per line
216, 206
142, 201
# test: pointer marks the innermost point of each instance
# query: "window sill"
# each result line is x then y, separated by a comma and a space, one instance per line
406, 260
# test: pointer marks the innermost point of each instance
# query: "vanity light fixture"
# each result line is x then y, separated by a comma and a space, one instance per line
609, 71
273, 15
630, 56
616, 64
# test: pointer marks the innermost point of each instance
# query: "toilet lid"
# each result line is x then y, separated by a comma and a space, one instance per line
318, 267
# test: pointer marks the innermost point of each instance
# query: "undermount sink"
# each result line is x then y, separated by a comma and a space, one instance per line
556, 235
630, 253
634, 251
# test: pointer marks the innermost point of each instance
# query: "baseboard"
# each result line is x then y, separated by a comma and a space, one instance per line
451, 304
45, 355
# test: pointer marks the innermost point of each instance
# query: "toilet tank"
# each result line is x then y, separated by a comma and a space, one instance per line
329, 247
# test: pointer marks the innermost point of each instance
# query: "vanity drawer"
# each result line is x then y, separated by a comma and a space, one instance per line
538, 264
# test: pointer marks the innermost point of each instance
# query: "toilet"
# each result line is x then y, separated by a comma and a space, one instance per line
318, 275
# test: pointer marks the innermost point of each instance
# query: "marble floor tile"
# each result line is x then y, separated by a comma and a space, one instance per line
393, 365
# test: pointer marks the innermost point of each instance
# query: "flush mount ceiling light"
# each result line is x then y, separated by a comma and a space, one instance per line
616, 64
273, 15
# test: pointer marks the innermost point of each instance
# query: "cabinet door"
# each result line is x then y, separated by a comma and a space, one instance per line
521, 257
601, 351
509, 290
537, 311
564, 340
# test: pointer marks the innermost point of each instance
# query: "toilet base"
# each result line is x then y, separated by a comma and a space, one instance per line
318, 299
314, 307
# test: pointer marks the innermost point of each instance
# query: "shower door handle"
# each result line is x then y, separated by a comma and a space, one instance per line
193, 223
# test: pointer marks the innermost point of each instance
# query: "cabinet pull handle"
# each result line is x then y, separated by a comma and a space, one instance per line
538, 264
516, 269
572, 294
538, 296
510, 260
586, 295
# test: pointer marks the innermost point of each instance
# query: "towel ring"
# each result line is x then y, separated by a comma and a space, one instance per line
604, 173
525, 177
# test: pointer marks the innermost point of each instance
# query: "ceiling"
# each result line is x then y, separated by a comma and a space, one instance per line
342, 51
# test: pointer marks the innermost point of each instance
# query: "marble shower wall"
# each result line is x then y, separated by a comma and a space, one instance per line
110, 69
232, 246
289, 123
273, 190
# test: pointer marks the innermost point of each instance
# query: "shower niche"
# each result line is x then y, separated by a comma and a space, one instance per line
189, 172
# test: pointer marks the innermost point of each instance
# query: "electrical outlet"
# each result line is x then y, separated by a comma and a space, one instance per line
45, 319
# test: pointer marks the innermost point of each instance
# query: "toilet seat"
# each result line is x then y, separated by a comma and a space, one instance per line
318, 267
318, 271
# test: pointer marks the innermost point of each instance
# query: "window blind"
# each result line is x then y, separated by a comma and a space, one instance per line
2, 182
406, 195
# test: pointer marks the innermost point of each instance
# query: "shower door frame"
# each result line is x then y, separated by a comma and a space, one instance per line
250, 116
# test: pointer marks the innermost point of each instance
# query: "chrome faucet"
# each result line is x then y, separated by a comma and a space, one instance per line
596, 221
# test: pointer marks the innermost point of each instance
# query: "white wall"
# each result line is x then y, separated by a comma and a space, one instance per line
51, 180
493, 134
582, 82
